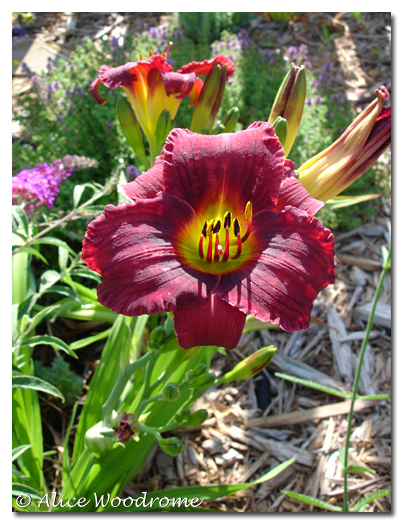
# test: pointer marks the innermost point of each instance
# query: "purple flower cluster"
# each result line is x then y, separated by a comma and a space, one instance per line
131, 172
299, 55
40, 185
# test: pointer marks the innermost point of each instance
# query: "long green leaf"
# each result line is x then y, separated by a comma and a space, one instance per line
19, 450
312, 384
53, 242
34, 383
48, 340
206, 492
360, 506
19, 488
312, 501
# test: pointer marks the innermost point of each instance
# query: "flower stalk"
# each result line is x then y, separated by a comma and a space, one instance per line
386, 267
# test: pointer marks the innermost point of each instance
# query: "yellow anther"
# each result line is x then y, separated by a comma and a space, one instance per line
150, 52
163, 54
140, 56
248, 211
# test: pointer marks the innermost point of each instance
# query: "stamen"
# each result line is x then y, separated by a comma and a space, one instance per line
140, 56
248, 216
226, 250
227, 220
217, 226
168, 50
236, 229
209, 254
150, 53
202, 238
217, 251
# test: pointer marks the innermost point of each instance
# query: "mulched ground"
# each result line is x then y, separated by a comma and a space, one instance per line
256, 424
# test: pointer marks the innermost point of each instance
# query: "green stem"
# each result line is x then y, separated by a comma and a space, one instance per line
147, 379
386, 267
113, 399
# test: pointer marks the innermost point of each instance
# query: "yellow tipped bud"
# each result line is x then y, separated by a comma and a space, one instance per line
250, 366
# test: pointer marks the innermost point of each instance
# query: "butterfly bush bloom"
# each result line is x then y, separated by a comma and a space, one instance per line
40, 185
152, 86
328, 173
217, 229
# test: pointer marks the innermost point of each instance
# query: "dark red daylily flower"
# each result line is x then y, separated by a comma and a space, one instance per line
217, 229
152, 86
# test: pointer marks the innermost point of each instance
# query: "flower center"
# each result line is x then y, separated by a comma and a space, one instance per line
212, 227
225, 243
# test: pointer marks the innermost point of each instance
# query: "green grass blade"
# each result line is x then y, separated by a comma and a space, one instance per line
312, 501
312, 384
359, 507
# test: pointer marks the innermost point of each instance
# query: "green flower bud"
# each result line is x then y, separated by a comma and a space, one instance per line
183, 416
163, 128
209, 99
230, 119
198, 418
190, 376
158, 334
96, 442
153, 347
171, 446
281, 129
200, 369
289, 103
171, 392
250, 366
204, 380
130, 127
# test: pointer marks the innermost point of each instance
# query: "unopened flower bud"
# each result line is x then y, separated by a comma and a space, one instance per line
210, 99
200, 369
163, 128
158, 334
126, 426
204, 380
171, 392
153, 347
130, 127
334, 169
250, 366
190, 376
198, 418
171, 446
281, 129
183, 416
97, 442
230, 119
289, 103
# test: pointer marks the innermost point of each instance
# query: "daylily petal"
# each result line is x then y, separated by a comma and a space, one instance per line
229, 169
115, 77
94, 92
147, 185
195, 92
178, 84
203, 68
295, 263
132, 247
293, 193
212, 322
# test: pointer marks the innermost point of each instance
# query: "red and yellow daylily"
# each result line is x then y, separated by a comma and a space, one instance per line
152, 86
328, 173
217, 229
